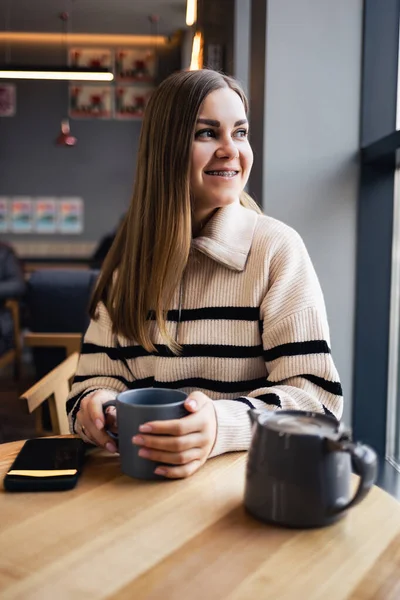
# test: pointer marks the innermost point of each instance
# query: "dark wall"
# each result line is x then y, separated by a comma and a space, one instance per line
216, 20
100, 168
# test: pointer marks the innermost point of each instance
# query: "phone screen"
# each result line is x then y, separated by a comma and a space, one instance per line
45, 464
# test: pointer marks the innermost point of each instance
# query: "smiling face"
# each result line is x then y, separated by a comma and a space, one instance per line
222, 157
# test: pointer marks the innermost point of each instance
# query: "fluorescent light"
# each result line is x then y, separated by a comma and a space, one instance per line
197, 53
55, 73
21, 37
191, 12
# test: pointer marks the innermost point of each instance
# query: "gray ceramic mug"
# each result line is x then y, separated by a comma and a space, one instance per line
134, 408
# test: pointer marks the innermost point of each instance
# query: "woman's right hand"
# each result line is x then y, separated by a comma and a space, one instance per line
90, 419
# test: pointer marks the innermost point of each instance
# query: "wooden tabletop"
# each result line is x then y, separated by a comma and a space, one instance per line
115, 537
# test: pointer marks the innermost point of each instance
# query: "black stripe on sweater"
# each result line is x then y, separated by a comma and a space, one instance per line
332, 387
188, 351
224, 387
269, 399
74, 413
297, 349
328, 412
217, 313
71, 402
245, 401
82, 378
113, 353
74, 405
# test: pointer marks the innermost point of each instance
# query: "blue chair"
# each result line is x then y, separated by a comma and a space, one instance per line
58, 301
10, 336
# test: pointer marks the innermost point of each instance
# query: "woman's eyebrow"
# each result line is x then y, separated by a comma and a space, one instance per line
218, 124
209, 122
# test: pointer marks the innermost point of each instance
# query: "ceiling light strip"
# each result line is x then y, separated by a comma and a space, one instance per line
83, 38
55, 75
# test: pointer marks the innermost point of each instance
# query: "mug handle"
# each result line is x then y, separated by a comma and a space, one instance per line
365, 464
113, 403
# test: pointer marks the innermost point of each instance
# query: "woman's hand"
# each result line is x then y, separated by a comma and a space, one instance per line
90, 419
185, 442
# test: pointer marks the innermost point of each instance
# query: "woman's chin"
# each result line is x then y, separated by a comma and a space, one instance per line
222, 201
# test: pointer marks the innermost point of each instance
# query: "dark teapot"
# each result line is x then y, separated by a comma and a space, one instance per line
299, 468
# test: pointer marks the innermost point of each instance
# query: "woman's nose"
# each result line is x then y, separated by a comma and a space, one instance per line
227, 150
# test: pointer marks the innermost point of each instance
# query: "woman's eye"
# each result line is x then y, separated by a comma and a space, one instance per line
241, 133
204, 133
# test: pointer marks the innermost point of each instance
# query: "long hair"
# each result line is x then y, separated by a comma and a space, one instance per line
145, 264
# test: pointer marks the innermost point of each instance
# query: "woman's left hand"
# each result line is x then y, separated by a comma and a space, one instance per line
185, 442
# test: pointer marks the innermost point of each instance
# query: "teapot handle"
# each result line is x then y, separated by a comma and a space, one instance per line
365, 464
253, 415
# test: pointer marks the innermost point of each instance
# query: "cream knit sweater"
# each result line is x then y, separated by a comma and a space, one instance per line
251, 319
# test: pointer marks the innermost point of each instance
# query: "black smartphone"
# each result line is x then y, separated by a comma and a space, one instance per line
46, 464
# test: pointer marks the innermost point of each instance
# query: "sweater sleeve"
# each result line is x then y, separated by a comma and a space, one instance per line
296, 345
100, 365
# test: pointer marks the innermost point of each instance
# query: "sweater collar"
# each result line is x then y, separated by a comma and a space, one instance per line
228, 235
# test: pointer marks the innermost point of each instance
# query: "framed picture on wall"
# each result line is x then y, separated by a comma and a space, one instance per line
90, 101
91, 58
45, 220
134, 64
21, 215
70, 215
131, 100
8, 97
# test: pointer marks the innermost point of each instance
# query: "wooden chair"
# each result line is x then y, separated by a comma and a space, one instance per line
70, 341
14, 354
53, 387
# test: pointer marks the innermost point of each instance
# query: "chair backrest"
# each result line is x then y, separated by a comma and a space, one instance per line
54, 387
58, 301
10, 351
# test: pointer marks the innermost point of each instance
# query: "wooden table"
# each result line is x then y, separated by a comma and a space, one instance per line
114, 537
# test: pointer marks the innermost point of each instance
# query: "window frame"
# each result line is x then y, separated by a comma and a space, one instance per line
379, 143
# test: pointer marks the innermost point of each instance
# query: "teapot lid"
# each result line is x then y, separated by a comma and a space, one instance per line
296, 422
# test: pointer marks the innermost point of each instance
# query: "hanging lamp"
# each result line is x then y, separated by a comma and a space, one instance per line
65, 138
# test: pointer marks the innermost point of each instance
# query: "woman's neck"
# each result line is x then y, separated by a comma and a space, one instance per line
200, 220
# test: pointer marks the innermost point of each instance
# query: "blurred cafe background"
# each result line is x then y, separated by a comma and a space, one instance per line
322, 79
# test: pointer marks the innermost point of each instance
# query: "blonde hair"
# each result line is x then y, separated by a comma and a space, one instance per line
145, 264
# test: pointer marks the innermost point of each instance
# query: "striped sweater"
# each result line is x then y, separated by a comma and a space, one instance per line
251, 319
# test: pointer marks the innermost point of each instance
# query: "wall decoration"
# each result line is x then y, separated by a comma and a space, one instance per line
45, 218
131, 100
70, 215
3, 214
134, 64
8, 96
90, 101
91, 58
21, 215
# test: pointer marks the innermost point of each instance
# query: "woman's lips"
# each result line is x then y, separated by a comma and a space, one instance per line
228, 174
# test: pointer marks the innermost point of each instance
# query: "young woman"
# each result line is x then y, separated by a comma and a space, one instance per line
202, 292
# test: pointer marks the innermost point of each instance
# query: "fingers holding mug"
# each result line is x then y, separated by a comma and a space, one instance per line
91, 419
81, 430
